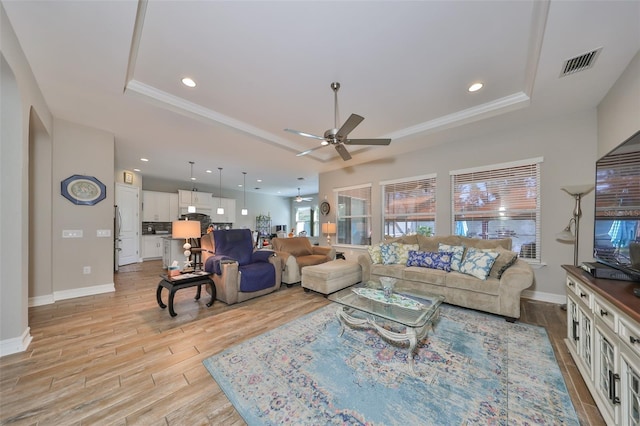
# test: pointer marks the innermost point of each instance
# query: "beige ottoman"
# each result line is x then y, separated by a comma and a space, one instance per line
331, 276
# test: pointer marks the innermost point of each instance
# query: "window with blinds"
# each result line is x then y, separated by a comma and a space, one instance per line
409, 206
353, 215
499, 201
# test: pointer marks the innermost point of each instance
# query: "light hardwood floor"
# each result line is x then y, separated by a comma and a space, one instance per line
119, 359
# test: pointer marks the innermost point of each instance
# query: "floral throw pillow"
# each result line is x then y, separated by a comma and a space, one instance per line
374, 253
429, 259
458, 252
505, 259
396, 253
478, 263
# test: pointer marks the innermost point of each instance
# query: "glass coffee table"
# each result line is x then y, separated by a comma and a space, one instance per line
364, 305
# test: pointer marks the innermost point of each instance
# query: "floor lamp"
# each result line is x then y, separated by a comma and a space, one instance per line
577, 192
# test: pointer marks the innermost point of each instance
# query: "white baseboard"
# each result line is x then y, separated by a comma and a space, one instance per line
41, 300
559, 299
17, 344
84, 291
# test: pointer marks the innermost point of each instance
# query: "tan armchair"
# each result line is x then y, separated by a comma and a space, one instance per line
296, 253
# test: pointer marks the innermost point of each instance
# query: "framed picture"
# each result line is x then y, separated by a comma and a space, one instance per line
128, 177
83, 190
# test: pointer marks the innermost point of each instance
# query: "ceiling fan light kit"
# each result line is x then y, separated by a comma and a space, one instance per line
338, 136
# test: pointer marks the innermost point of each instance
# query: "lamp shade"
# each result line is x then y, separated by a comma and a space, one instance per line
329, 228
185, 229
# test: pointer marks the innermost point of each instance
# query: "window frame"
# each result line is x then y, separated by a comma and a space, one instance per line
503, 171
429, 179
341, 217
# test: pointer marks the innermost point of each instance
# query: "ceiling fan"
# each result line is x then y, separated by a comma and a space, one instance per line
338, 137
300, 199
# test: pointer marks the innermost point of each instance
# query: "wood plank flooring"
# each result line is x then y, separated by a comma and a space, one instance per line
119, 359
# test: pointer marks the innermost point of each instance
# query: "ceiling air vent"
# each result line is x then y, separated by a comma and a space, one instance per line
580, 63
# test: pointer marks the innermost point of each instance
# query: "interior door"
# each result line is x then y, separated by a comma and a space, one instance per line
127, 213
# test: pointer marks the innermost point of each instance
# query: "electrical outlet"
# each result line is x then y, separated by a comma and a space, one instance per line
86, 270
72, 233
103, 233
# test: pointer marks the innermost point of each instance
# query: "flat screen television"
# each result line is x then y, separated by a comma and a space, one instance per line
617, 208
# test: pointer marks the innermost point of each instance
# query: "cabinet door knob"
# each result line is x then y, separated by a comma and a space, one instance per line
582, 294
603, 313
571, 284
634, 340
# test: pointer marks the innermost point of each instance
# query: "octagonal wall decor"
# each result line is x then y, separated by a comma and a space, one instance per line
83, 190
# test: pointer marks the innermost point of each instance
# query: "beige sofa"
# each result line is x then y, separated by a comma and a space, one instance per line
296, 253
498, 296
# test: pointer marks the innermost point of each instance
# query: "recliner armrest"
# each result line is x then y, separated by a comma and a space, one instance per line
261, 255
330, 252
214, 263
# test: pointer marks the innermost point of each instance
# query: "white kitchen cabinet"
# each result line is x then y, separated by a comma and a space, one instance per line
174, 207
151, 247
201, 200
172, 250
603, 328
156, 206
229, 205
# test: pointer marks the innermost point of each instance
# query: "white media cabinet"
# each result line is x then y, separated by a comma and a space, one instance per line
603, 337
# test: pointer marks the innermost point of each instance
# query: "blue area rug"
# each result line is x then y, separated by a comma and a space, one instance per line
473, 368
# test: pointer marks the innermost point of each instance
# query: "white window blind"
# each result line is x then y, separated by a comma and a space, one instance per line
353, 215
499, 201
409, 206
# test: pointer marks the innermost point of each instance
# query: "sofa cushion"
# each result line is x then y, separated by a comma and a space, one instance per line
505, 259
429, 259
374, 253
458, 253
505, 243
405, 239
471, 283
425, 275
478, 263
296, 246
394, 271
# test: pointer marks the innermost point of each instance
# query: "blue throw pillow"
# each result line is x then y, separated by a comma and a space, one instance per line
458, 252
429, 259
478, 263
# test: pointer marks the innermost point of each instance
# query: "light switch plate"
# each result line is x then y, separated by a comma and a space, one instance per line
72, 233
103, 233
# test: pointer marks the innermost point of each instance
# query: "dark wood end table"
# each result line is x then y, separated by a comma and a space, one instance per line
178, 282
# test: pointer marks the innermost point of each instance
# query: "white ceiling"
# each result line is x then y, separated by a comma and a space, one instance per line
264, 66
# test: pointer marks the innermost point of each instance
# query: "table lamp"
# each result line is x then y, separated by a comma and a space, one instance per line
329, 229
186, 229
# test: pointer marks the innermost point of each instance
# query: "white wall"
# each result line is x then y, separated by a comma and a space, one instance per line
568, 146
619, 111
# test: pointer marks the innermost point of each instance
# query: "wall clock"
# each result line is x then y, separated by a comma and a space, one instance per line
325, 208
83, 190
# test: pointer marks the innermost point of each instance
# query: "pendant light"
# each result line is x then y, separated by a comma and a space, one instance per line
244, 210
191, 208
220, 208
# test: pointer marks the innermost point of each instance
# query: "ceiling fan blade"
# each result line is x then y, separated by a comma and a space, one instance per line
367, 141
348, 126
308, 135
309, 151
343, 152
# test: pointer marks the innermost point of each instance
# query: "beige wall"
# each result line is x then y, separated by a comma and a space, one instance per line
20, 97
619, 111
568, 146
83, 151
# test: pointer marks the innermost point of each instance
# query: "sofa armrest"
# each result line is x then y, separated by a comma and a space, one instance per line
365, 264
284, 258
518, 276
330, 252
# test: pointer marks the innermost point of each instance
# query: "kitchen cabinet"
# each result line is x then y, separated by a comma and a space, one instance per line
151, 247
201, 200
174, 207
603, 337
156, 207
229, 205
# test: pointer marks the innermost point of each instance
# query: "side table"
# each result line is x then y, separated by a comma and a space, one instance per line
178, 282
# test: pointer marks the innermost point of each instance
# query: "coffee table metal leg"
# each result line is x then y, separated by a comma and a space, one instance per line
159, 296
172, 293
198, 292
213, 293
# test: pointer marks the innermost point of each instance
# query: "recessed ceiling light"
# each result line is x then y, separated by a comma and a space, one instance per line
475, 87
208, 171
136, 170
144, 159
188, 82
258, 180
